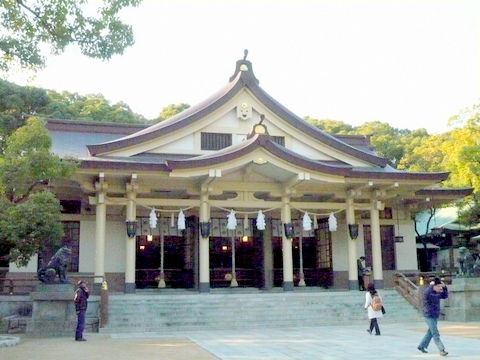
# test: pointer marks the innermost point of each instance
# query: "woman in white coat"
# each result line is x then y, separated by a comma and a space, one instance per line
373, 315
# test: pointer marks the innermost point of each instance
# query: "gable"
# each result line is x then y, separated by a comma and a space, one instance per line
230, 119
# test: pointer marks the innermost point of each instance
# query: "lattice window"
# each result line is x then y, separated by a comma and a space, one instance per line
324, 237
215, 141
280, 140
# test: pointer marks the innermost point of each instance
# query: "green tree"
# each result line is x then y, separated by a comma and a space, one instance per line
387, 140
427, 155
28, 27
93, 107
15, 102
331, 126
29, 212
171, 110
390, 143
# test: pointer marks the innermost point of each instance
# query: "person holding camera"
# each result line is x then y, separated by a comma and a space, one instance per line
431, 311
361, 272
80, 299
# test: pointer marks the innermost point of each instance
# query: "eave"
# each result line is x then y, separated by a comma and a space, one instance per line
242, 78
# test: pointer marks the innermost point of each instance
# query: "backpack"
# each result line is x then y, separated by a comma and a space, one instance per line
376, 302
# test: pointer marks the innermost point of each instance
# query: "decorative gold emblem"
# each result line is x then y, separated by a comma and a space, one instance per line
260, 129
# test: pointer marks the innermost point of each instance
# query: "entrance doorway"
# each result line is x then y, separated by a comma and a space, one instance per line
387, 238
178, 269
316, 256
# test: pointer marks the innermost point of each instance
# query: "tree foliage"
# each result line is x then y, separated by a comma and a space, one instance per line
331, 126
92, 107
28, 27
389, 142
17, 103
171, 110
29, 212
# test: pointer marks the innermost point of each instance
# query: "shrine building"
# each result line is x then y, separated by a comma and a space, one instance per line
236, 191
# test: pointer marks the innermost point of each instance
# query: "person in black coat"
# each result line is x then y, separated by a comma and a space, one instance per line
80, 299
431, 311
361, 273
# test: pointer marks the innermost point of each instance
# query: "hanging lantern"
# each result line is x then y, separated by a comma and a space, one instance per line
353, 230
131, 228
307, 222
181, 221
232, 221
205, 229
332, 222
153, 219
289, 230
261, 220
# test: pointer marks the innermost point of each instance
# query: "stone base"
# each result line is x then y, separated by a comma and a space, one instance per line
53, 312
8, 341
463, 303
288, 286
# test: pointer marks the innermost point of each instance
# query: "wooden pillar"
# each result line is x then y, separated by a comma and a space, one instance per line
352, 245
268, 256
204, 246
377, 265
131, 243
100, 226
287, 246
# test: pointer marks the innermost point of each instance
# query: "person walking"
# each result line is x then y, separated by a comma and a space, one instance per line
372, 314
431, 311
361, 273
80, 299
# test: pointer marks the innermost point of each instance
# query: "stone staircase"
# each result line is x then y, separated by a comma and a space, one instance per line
239, 308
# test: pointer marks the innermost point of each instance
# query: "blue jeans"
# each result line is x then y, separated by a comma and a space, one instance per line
432, 332
80, 324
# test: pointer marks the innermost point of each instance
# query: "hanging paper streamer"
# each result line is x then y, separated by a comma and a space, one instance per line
172, 220
181, 221
315, 222
153, 219
232, 222
261, 220
332, 222
307, 222
245, 222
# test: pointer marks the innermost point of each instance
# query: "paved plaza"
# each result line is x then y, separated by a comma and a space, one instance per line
398, 341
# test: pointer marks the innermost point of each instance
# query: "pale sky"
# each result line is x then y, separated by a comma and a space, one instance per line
410, 63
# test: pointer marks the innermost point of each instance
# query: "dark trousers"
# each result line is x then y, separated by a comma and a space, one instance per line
80, 324
361, 283
374, 324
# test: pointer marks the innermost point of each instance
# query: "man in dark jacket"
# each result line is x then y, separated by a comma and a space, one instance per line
81, 296
361, 273
431, 311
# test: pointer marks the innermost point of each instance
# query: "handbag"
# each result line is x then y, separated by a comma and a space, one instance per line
383, 310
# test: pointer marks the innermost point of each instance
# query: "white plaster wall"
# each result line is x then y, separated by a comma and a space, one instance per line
228, 120
115, 238
406, 252
340, 248
115, 253
184, 143
302, 148
86, 261
31, 267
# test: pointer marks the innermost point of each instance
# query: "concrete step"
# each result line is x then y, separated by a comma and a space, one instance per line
160, 312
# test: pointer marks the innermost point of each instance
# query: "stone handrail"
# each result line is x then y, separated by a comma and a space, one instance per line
408, 290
